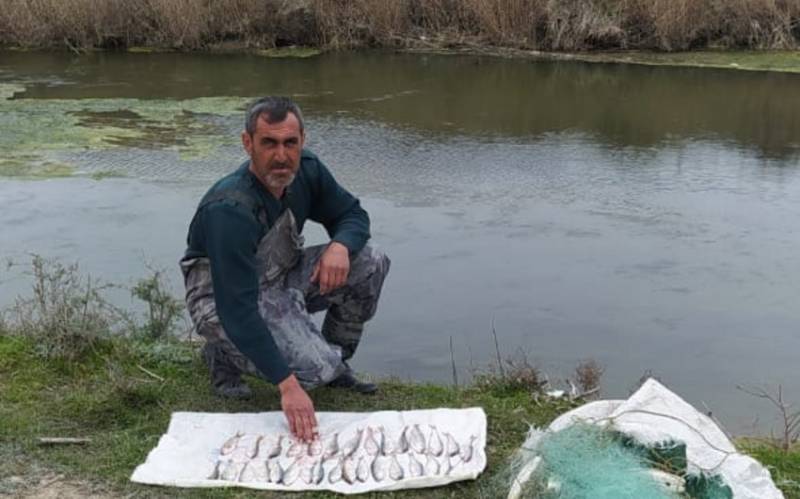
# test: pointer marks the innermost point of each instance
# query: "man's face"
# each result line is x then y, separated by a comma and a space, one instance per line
275, 150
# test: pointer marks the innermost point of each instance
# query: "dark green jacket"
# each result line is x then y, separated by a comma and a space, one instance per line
228, 231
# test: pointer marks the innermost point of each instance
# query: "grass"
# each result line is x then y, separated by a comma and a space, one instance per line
107, 398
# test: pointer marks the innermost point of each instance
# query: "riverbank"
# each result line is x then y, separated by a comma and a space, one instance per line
522, 24
121, 394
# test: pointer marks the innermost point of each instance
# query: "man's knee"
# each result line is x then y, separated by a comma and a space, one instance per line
371, 262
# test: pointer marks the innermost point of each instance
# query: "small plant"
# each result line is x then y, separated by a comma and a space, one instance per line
66, 315
588, 374
789, 418
163, 309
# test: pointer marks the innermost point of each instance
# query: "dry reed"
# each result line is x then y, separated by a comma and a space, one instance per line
571, 25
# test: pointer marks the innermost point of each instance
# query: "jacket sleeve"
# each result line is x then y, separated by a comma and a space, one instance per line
232, 237
339, 211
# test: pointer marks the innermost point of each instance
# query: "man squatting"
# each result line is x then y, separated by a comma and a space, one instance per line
250, 284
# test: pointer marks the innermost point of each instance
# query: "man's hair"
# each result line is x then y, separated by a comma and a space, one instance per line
273, 109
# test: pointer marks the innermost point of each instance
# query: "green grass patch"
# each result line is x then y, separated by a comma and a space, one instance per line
107, 397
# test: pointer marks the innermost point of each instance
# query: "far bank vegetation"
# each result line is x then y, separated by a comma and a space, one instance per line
548, 25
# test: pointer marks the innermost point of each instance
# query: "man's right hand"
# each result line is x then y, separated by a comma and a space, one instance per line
298, 409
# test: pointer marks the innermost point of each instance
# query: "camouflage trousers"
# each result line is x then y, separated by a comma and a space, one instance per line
287, 298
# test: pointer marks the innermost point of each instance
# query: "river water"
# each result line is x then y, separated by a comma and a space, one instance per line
644, 217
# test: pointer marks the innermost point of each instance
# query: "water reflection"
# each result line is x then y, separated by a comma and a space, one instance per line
619, 105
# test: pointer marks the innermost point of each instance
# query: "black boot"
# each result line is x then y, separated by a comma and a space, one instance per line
226, 378
348, 380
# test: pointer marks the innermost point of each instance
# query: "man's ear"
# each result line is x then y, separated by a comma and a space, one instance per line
247, 142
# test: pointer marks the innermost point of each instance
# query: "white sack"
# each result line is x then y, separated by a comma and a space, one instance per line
186, 455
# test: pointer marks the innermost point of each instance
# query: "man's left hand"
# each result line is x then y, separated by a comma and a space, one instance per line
332, 268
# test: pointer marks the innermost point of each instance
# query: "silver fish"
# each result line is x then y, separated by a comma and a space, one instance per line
370, 444
249, 445
274, 449
318, 472
414, 467
291, 473
431, 465
336, 473
395, 470
215, 472
331, 447
307, 475
254, 471
296, 448
277, 472
466, 450
352, 444
387, 447
435, 445
451, 446
315, 448
349, 470
230, 444
378, 468
230, 470
272, 473
416, 439
402, 442
362, 470
448, 465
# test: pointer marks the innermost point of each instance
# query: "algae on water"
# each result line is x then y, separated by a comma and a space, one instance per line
40, 131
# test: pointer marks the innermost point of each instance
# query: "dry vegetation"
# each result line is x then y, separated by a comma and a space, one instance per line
570, 25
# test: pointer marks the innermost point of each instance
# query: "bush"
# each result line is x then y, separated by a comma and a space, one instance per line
163, 310
67, 315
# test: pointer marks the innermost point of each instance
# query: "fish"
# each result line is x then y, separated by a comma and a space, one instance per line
331, 447
378, 468
318, 472
370, 444
431, 465
448, 465
336, 473
395, 470
274, 450
296, 448
272, 473
387, 447
435, 445
277, 472
230, 470
249, 445
254, 471
451, 446
414, 467
291, 473
215, 472
351, 445
362, 470
467, 450
349, 470
402, 442
307, 474
230, 444
416, 439
315, 447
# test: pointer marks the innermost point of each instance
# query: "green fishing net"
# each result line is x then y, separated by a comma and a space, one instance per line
590, 462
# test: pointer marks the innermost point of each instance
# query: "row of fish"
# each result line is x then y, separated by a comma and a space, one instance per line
344, 469
374, 441
368, 454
